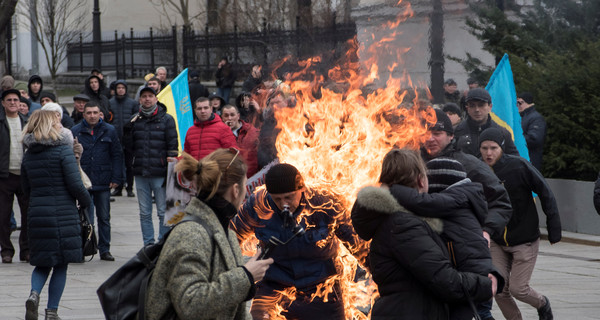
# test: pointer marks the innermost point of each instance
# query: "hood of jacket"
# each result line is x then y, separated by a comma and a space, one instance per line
123, 82
213, 119
373, 206
33, 78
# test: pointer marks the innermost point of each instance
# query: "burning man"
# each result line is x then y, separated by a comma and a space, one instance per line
410, 266
299, 228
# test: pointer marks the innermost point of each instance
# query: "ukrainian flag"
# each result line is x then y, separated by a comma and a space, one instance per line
176, 96
504, 104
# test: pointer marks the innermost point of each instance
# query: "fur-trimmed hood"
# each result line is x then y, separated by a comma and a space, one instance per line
33, 145
373, 205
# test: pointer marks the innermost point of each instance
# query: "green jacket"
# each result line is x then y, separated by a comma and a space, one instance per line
202, 277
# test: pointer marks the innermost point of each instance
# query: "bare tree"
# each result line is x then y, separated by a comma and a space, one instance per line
59, 22
6, 13
188, 15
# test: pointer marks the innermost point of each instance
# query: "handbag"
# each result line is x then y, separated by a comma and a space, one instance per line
87, 183
88, 235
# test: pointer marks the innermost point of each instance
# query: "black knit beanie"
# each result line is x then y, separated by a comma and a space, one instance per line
283, 178
444, 172
492, 134
442, 123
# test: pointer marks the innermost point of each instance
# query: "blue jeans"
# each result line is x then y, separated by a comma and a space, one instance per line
57, 283
146, 186
224, 93
101, 202
484, 309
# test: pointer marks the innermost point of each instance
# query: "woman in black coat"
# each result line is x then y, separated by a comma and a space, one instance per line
408, 260
51, 177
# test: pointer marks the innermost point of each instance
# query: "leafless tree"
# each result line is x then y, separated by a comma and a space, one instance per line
6, 13
59, 22
188, 12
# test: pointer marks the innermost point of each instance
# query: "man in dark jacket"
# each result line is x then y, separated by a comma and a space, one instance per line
254, 79
514, 252
79, 101
479, 106
102, 161
285, 209
225, 78
534, 128
35, 85
123, 108
92, 90
197, 89
597, 194
246, 136
11, 127
151, 136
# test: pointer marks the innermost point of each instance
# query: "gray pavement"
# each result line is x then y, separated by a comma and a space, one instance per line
567, 272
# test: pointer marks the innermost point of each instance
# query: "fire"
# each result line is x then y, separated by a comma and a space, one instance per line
338, 138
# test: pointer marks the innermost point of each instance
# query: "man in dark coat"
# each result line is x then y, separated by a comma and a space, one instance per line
479, 106
197, 89
225, 77
254, 79
79, 101
514, 252
123, 108
35, 86
534, 128
92, 90
102, 161
11, 127
151, 136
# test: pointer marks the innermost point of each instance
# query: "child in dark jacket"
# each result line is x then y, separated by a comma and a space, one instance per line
461, 205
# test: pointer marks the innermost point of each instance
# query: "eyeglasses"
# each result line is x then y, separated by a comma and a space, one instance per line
235, 152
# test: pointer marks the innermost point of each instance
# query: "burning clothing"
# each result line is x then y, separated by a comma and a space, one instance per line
409, 262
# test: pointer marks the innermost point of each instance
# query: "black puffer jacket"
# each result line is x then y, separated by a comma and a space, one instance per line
467, 136
463, 210
499, 208
151, 140
521, 179
409, 262
51, 177
534, 130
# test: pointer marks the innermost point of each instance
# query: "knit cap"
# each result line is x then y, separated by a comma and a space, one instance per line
283, 178
442, 123
443, 172
492, 134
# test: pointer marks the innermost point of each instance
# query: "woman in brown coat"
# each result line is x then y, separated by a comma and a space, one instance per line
200, 272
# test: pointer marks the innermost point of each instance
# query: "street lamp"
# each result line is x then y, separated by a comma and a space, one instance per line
97, 39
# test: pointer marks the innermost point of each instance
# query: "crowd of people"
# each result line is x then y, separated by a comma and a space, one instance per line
451, 226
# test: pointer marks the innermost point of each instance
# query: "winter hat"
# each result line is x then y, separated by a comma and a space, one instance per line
51, 106
443, 123
479, 94
26, 101
81, 96
526, 96
452, 108
9, 91
7, 82
46, 94
283, 178
443, 172
492, 134
450, 82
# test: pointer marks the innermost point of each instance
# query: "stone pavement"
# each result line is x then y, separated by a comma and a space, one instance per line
567, 272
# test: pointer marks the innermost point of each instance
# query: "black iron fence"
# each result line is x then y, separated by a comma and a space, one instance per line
135, 54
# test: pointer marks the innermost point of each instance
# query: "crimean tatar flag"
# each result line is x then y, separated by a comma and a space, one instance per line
176, 96
504, 104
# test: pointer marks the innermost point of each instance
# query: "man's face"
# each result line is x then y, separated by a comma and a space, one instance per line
121, 90
473, 85
522, 105
450, 88
256, 72
203, 111
94, 84
78, 104
35, 87
45, 100
454, 118
215, 104
11, 104
478, 110
490, 152
92, 115
291, 199
437, 142
154, 85
231, 117
148, 99
161, 74
23, 108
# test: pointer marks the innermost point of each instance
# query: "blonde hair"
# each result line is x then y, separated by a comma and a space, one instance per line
42, 124
214, 173
402, 166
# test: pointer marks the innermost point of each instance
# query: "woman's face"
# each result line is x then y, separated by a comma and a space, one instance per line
237, 202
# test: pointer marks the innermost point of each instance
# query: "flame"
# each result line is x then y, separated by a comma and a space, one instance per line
337, 135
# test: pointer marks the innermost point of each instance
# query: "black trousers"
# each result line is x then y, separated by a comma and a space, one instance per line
9, 188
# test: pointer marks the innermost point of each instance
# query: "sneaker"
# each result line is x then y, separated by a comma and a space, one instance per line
545, 312
31, 306
107, 256
117, 193
130, 194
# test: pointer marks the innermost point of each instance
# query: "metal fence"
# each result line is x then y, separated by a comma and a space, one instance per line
135, 54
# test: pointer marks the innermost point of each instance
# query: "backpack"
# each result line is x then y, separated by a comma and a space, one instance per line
123, 295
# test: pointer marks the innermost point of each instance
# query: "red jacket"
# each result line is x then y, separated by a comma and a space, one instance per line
247, 140
205, 137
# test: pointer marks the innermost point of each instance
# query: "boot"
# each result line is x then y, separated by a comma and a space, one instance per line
51, 314
31, 306
545, 312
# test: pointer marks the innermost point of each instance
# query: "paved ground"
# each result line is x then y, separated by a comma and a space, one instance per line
568, 273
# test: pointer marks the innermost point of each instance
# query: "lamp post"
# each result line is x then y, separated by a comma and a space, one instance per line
436, 49
97, 39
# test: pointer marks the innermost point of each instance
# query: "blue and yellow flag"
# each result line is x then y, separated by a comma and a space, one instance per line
176, 96
504, 104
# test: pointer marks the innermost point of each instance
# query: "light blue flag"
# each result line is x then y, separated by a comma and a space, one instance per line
176, 96
504, 104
